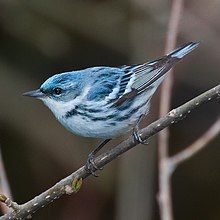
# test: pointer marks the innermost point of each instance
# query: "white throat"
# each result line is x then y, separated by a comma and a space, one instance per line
59, 108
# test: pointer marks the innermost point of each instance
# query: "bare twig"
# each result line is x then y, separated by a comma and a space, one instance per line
169, 164
195, 147
59, 189
4, 184
9, 203
166, 88
165, 202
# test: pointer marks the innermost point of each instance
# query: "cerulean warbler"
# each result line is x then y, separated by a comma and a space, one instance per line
106, 102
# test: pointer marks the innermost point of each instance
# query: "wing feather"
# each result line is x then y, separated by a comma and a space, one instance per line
139, 78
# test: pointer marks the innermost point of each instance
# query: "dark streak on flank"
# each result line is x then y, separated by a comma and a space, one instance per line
71, 113
84, 108
76, 111
125, 117
112, 123
103, 118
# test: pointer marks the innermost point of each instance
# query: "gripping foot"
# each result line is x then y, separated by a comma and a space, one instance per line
90, 165
138, 139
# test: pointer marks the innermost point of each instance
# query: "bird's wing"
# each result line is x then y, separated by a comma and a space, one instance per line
137, 79
104, 83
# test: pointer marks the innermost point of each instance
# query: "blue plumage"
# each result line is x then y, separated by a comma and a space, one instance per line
105, 102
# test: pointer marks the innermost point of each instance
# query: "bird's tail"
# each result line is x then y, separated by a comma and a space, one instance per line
159, 67
182, 51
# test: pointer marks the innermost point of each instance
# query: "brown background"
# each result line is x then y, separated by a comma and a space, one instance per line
41, 38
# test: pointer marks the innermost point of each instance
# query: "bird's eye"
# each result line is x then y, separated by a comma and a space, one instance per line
42, 90
57, 91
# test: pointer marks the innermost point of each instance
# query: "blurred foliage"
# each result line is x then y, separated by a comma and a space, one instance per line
41, 38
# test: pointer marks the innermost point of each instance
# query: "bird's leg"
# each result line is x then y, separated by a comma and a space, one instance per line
90, 164
136, 135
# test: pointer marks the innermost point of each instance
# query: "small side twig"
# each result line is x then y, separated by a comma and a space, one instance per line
169, 164
165, 202
9, 203
195, 147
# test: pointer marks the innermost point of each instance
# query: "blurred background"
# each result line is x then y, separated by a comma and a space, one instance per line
41, 38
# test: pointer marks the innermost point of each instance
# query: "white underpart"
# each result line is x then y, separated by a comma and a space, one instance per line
105, 129
84, 126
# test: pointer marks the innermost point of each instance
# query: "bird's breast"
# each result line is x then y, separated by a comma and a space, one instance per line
102, 122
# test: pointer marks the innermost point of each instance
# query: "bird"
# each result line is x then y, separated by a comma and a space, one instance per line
106, 102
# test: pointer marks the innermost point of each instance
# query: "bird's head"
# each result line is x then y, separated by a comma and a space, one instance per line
59, 90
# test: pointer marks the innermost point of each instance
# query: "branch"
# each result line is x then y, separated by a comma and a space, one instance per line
166, 88
61, 187
165, 202
195, 147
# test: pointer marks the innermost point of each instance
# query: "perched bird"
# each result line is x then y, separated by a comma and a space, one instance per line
106, 102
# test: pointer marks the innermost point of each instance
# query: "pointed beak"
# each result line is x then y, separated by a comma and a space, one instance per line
35, 94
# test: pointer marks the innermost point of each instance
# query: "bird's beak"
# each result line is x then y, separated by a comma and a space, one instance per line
35, 94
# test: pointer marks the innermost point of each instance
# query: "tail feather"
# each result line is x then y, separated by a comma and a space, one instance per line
160, 66
184, 50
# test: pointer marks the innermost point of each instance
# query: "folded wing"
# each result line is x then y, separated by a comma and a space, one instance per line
137, 79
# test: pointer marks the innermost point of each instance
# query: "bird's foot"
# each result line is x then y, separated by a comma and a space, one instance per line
90, 166
138, 139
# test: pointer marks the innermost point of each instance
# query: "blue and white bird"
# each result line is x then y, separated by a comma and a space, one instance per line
106, 102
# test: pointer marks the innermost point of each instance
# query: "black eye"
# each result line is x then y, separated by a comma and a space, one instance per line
42, 90
57, 91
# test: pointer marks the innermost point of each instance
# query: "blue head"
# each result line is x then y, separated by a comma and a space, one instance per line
60, 87
63, 87
60, 91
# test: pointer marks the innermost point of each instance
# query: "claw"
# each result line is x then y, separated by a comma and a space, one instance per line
90, 166
138, 139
